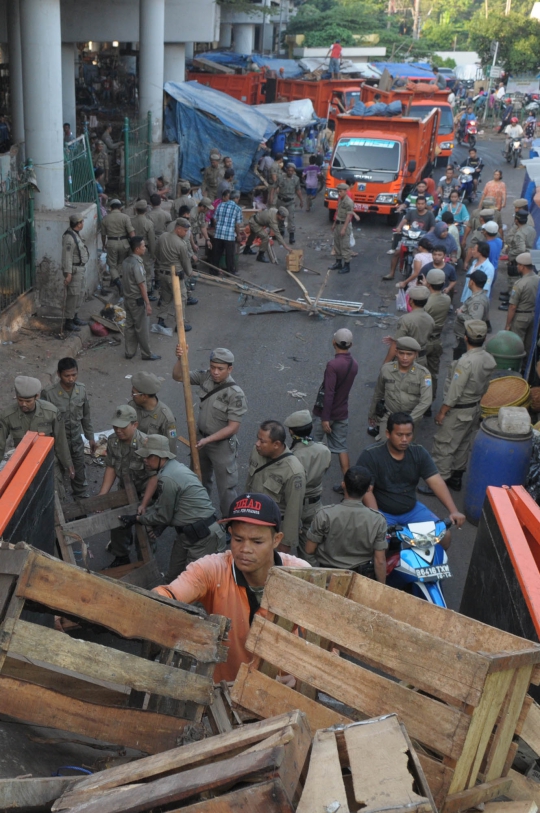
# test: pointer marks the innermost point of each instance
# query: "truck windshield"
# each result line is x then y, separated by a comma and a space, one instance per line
367, 154
351, 97
446, 122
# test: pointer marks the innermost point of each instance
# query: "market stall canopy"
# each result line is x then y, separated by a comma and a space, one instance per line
295, 114
199, 118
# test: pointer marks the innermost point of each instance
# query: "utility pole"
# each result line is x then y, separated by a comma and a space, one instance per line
416, 24
508, 7
495, 50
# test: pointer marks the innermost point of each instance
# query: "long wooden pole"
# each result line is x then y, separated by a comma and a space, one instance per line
184, 361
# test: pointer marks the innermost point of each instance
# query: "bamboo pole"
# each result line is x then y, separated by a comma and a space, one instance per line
184, 362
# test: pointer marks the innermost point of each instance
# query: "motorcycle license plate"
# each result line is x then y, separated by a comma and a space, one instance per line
361, 207
441, 571
409, 243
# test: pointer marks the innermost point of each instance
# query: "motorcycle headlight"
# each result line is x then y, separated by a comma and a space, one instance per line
332, 194
517, 144
386, 198
447, 145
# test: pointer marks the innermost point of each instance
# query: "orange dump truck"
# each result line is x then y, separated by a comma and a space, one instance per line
417, 103
246, 87
325, 94
384, 156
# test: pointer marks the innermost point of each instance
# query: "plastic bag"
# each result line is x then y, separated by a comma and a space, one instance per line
401, 300
353, 241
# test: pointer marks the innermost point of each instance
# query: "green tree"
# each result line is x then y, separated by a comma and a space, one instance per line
518, 36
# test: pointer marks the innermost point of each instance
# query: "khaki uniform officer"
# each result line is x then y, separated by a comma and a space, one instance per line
171, 250
222, 406
30, 414
350, 535
417, 323
121, 462
144, 228
116, 229
159, 216
153, 416
275, 471
475, 307
74, 258
197, 221
267, 219
212, 175
519, 240
155, 186
70, 398
183, 503
288, 187
316, 459
185, 199
136, 303
522, 302
459, 416
438, 307
342, 231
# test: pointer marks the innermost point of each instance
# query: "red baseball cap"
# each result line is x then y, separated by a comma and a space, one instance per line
257, 509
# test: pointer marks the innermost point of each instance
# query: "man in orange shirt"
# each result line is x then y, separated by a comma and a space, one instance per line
334, 52
232, 583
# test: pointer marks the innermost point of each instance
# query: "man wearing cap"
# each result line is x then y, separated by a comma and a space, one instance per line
153, 416
331, 408
522, 303
31, 414
221, 409
171, 251
74, 258
197, 220
212, 175
267, 219
274, 175
470, 237
155, 186
144, 228
490, 235
316, 459
438, 307
288, 186
181, 502
350, 535
275, 471
158, 215
116, 229
476, 307
232, 583
185, 199
70, 398
136, 303
519, 240
342, 230
403, 385
417, 324
480, 261
489, 213
121, 462
459, 416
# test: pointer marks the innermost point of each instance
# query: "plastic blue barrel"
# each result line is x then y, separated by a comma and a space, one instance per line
279, 143
296, 159
497, 459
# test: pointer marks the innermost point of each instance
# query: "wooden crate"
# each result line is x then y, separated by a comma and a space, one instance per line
295, 260
272, 754
461, 687
92, 689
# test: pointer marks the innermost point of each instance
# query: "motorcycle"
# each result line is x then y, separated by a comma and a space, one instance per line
467, 133
466, 177
408, 247
513, 153
416, 561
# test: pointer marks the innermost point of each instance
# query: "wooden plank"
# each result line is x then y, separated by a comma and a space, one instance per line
101, 662
131, 728
217, 714
196, 753
531, 728
98, 523
7, 587
522, 788
12, 561
483, 719
438, 777
506, 727
69, 589
147, 575
180, 786
438, 726
74, 510
266, 797
64, 543
371, 748
324, 785
140, 531
511, 807
266, 697
431, 664
33, 794
476, 796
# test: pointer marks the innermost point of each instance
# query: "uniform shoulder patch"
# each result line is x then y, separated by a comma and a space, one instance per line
172, 431
427, 381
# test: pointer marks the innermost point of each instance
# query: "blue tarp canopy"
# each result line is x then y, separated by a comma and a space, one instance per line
291, 68
411, 69
200, 118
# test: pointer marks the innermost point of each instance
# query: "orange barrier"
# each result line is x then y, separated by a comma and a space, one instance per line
19, 473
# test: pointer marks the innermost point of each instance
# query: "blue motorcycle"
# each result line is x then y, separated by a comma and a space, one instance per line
416, 561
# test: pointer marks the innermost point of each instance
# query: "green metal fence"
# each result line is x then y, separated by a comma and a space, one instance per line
79, 182
17, 242
137, 155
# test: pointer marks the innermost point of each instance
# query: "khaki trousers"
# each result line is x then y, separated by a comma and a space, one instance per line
219, 459
136, 329
117, 251
453, 440
342, 245
166, 299
434, 352
75, 293
185, 552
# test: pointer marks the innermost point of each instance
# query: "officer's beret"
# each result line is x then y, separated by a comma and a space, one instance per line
519, 203
123, 416
215, 156
116, 202
27, 387
524, 258
342, 186
298, 419
408, 343
147, 383
283, 211
419, 293
141, 206
75, 219
221, 354
206, 202
185, 224
475, 328
436, 276
485, 213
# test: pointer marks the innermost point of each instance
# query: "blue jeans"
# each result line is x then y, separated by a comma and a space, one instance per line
334, 65
420, 513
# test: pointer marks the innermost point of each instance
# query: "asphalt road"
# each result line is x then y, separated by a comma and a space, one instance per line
279, 353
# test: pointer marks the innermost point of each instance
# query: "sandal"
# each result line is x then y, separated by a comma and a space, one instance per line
387, 278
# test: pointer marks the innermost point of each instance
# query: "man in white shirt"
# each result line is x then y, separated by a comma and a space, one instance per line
513, 130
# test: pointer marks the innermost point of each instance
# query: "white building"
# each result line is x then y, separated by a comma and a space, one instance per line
257, 31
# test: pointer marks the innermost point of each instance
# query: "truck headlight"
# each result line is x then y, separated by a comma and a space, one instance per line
332, 194
447, 145
386, 198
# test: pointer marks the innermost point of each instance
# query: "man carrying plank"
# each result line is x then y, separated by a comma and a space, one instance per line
232, 583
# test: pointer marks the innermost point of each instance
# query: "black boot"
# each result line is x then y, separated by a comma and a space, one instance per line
345, 269
161, 322
191, 300
338, 264
262, 258
69, 324
247, 247
292, 241
118, 283
454, 481
77, 321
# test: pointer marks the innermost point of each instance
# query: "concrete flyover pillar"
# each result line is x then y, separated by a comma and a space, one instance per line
15, 70
151, 63
175, 62
42, 79
244, 38
189, 49
69, 110
225, 35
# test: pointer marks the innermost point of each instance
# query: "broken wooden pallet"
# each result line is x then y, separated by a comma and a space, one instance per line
271, 753
33, 581
462, 684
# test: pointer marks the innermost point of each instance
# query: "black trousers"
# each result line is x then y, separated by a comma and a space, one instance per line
228, 247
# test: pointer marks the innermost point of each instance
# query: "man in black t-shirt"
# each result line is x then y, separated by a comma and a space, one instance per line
397, 466
418, 218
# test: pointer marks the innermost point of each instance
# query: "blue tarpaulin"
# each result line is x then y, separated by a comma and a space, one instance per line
406, 69
291, 68
200, 118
